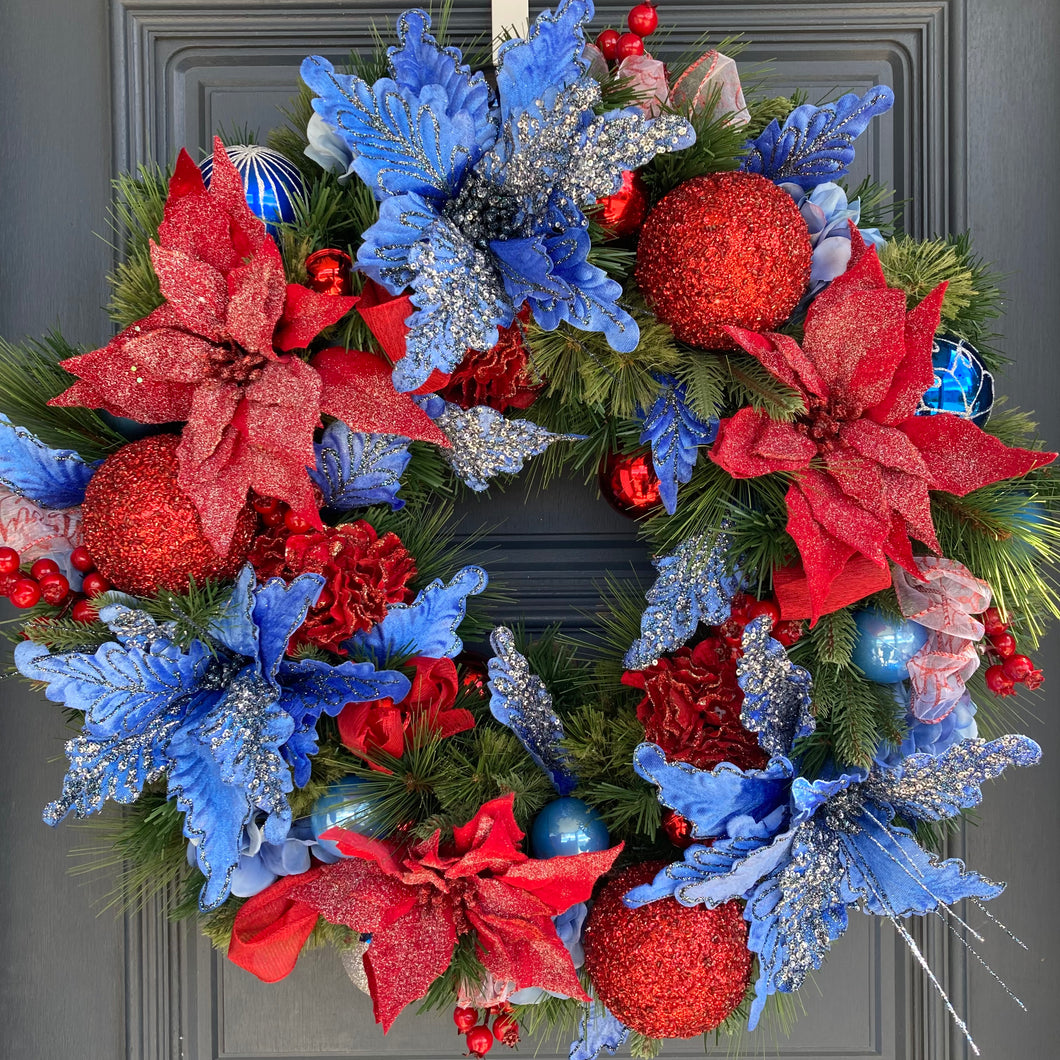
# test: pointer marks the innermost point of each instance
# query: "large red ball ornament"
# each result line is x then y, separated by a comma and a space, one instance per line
725, 249
664, 969
141, 529
623, 212
629, 484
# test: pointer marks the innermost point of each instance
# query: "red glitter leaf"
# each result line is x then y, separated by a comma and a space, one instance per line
781, 356
306, 313
255, 300
195, 290
750, 444
561, 882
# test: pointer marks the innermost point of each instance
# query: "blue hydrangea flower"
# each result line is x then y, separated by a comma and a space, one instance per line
229, 722
801, 852
481, 193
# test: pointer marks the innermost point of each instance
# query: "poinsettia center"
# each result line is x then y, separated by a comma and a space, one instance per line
825, 417
230, 363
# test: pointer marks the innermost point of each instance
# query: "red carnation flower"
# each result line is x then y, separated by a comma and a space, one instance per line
499, 377
382, 725
862, 461
691, 707
364, 574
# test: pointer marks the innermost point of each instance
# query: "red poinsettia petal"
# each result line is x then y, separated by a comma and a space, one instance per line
187, 177
860, 479
909, 497
358, 390
305, 315
884, 445
194, 290
750, 444
863, 273
489, 842
899, 548
445, 723
782, 357
357, 893
561, 882
844, 517
256, 292
858, 578
960, 457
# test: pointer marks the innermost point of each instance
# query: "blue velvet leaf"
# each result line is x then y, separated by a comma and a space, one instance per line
484, 444
776, 692
53, 478
693, 585
520, 701
425, 627
815, 144
598, 1030
403, 222
358, 470
675, 433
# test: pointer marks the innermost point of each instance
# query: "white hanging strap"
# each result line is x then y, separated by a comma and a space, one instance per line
509, 15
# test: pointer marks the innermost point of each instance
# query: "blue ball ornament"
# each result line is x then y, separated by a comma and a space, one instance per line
270, 182
567, 826
884, 645
343, 805
962, 385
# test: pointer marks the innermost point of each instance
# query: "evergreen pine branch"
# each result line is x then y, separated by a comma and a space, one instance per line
853, 714
139, 204
641, 1047
191, 613
765, 110
878, 206
750, 384
30, 375
63, 634
832, 639
705, 377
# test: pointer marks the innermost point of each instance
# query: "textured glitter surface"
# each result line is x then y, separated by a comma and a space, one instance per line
666, 970
141, 528
728, 249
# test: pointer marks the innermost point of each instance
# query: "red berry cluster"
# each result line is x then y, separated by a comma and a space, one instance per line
745, 608
44, 581
642, 21
275, 513
479, 1036
1013, 668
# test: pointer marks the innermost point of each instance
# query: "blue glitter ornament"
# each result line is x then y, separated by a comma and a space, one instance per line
342, 805
962, 385
271, 183
884, 646
567, 826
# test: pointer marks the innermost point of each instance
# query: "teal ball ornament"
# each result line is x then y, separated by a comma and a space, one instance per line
343, 805
962, 385
271, 183
884, 645
567, 826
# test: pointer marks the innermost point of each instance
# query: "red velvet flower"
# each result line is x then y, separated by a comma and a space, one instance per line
417, 902
216, 355
862, 461
499, 377
382, 725
691, 707
364, 574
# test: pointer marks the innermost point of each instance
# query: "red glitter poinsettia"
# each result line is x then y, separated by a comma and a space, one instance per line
862, 461
366, 728
364, 574
691, 707
418, 901
216, 355
499, 377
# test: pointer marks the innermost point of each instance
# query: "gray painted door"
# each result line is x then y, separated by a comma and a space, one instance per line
91, 87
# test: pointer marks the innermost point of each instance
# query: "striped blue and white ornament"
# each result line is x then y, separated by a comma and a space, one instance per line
270, 182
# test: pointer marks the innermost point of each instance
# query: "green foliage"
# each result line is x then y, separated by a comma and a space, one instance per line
30, 375
641, 1047
763, 111
60, 634
878, 208
139, 202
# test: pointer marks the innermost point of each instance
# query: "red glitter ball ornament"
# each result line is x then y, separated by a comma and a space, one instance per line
623, 212
725, 249
141, 529
664, 969
629, 484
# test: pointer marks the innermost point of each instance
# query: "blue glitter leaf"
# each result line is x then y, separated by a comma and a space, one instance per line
358, 470
598, 1030
693, 585
520, 701
815, 144
675, 433
53, 478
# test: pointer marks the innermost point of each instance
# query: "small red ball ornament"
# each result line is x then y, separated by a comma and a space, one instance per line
1017, 667
725, 249
329, 271
629, 484
43, 567
141, 529
623, 212
1004, 643
643, 20
999, 682
83, 611
664, 969
479, 1040
629, 44
54, 588
607, 42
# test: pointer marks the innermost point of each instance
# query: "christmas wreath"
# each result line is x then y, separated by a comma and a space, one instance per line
230, 529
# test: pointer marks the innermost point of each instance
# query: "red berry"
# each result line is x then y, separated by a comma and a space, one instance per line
1034, 680
607, 42
678, 829
629, 44
81, 560
994, 621
296, 523
1017, 667
643, 20
10, 561
1004, 643
764, 607
479, 1040
998, 681
273, 520
8, 582
506, 1030
465, 1019
94, 584
788, 633
731, 631
42, 567
264, 505
83, 610
26, 593
54, 588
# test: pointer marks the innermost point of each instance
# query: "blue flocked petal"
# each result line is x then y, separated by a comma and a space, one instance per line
53, 478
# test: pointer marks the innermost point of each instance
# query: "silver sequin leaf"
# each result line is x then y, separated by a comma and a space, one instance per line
485, 444
520, 701
693, 585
